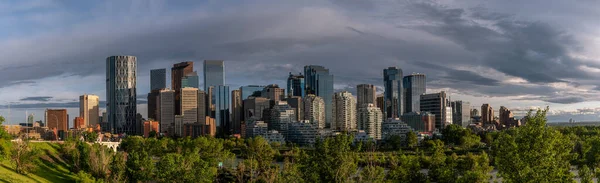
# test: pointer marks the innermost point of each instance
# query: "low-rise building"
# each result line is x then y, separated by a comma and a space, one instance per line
302, 133
392, 127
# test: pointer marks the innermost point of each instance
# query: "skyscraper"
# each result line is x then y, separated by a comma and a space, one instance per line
366, 94
189, 105
254, 107
296, 103
121, 104
314, 110
344, 111
250, 90
57, 118
369, 120
89, 110
393, 96
236, 111
222, 100
414, 87
201, 107
487, 113
167, 111
461, 113
436, 104
295, 85
318, 81
214, 73
273, 92
190, 80
158, 79
178, 71
381, 105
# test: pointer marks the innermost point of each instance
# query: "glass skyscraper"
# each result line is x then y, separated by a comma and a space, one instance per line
318, 81
214, 74
190, 80
222, 99
249, 90
295, 85
158, 79
393, 96
414, 87
121, 104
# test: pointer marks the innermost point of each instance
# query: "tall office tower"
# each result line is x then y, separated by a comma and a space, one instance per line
366, 94
318, 81
236, 111
57, 118
251, 90
167, 111
281, 116
461, 113
189, 105
201, 107
178, 71
487, 113
89, 110
210, 102
314, 110
178, 126
381, 105
448, 120
104, 123
121, 101
222, 101
369, 120
153, 104
344, 111
254, 107
295, 85
214, 73
436, 104
190, 80
296, 103
273, 92
414, 87
158, 79
393, 96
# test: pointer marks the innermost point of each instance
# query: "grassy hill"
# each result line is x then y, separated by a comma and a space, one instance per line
51, 167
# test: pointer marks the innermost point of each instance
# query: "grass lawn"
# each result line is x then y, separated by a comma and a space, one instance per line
51, 167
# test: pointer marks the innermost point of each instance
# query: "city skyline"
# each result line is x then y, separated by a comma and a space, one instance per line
483, 76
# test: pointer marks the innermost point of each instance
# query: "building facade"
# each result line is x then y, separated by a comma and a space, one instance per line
436, 103
178, 71
236, 111
222, 102
89, 109
461, 113
369, 120
296, 103
167, 111
394, 127
344, 111
57, 119
281, 116
150, 126
366, 94
319, 82
273, 92
393, 95
214, 73
251, 90
487, 114
189, 105
158, 79
201, 107
314, 110
121, 101
190, 80
295, 85
254, 107
414, 86
303, 134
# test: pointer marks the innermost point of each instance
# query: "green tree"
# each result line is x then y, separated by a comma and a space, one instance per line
533, 152
470, 140
140, 167
24, 157
372, 174
100, 157
258, 148
5, 143
585, 174
411, 139
118, 168
331, 161
453, 133
474, 168
83, 177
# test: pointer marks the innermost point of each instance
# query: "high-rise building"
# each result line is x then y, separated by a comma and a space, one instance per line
158, 79
251, 90
222, 100
153, 104
344, 111
507, 118
393, 96
369, 120
366, 94
236, 111
461, 113
414, 86
190, 80
89, 110
201, 107
189, 105
104, 122
254, 107
314, 110
178, 71
296, 103
436, 104
57, 119
381, 104
295, 85
281, 116
448, 120
214, 74
121, 95
167, 111
178, 126
273, 92
487, 113
318, 81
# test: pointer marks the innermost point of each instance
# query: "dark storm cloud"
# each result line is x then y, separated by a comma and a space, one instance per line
39, 99
455, 75
558, 99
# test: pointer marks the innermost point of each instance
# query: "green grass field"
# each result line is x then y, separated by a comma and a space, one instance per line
51, 167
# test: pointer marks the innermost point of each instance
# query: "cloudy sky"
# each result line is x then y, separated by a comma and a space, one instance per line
520, 54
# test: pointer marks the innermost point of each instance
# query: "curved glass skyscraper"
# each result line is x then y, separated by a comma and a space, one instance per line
394, 95
121, 105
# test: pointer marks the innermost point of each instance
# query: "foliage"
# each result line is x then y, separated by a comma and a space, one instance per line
539, 153
83, 177
411, 140
585, 174
140, 166
372, 174
90, 136
331, 161
24, 157
406, 169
